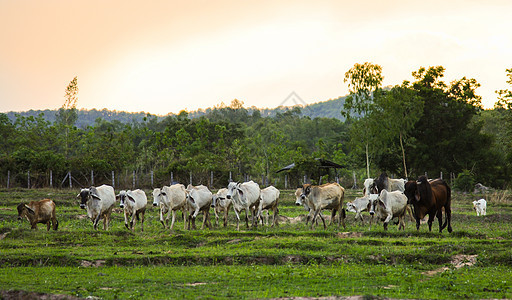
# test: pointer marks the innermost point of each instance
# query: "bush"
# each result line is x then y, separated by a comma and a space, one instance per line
465, 181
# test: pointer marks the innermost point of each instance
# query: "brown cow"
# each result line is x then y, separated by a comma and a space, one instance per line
429, 198
42, 211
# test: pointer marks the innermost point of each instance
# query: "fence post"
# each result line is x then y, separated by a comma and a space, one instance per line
8, 178
113, 181
285, 181
441, 176
152, 178
28, 179
70, 182
211, 180
92, 177
133, 184
51, 179
190, 181
230, 178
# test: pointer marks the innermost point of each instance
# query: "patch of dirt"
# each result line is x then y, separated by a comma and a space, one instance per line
195, 284
458, 261
344, 235
330, 298
96, 263
23, 295
6, 208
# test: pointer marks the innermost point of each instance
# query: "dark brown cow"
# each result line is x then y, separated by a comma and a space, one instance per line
429, 198
42, 211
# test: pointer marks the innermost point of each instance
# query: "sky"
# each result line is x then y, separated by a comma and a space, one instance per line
162, 57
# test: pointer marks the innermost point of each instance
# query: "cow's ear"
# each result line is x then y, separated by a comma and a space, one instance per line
307, 190
78, 196
163, 193
95, 196
131, 198
30, 210
382, 204
369, 206
241, 192
118, 196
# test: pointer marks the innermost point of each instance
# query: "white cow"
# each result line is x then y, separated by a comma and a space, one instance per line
389, 205
269, 199
199, 198
221, 204
480, 206
133, 204
327, 196
244, 196
361, 204
170, 199
99, 202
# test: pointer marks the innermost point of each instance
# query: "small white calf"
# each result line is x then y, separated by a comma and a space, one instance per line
480, 206
134, 204
360, 204
221, 204
389, 205
269, 198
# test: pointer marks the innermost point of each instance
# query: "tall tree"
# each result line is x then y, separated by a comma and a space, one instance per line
67, 114
363, 81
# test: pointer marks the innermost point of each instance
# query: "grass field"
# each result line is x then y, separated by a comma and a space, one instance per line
474, 261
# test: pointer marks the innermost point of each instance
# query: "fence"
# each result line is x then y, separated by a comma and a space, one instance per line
133, 179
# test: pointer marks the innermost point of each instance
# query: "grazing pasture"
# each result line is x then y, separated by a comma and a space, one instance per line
289, 260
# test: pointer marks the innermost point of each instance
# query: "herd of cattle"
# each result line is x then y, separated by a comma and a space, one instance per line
383, 197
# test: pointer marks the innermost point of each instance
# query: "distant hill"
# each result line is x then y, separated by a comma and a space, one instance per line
325, 109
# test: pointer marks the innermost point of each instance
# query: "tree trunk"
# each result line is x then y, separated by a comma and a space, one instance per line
367, 163
403, 156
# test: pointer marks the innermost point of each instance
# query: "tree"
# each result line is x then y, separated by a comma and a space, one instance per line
397, 112
363, 81
67, 114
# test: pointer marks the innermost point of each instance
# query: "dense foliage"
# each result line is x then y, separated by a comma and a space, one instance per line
406, 130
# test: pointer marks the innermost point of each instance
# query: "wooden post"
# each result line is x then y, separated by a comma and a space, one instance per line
51, 179
441, 175
211, 179
133, 184
92, 177
113, 181
285, 181
152, 178
8, 178
230, 178
28, 180
172, 178
70, 182
190, 181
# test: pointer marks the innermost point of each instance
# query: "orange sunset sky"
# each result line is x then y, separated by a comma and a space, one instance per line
166, 56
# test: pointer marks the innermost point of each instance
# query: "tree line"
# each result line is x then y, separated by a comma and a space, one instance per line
406, 130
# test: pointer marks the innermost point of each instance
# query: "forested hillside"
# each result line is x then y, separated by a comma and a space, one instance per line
426, 126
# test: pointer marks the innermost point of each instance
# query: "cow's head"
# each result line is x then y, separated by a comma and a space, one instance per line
123, 197
298, 199
423, 191
86, 195
24, 210
234, 189
374, 203
351, 207
157, 193
306, 190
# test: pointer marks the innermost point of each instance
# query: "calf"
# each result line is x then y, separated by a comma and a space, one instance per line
360, 204
221, 204
269, 198
170, 199
480, 206
199, 199
389, 205
134, 204
244, 196
42, 211
99, 202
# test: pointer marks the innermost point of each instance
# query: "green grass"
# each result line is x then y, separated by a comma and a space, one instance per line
288, 261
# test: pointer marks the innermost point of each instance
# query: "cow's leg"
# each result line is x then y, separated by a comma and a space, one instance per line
95, 222
237, 219
226, 217
168, 216
439, 216
448, 212
48, 225
126, 219
162, 216
216, 217
431, 217
173, 218
247, 211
